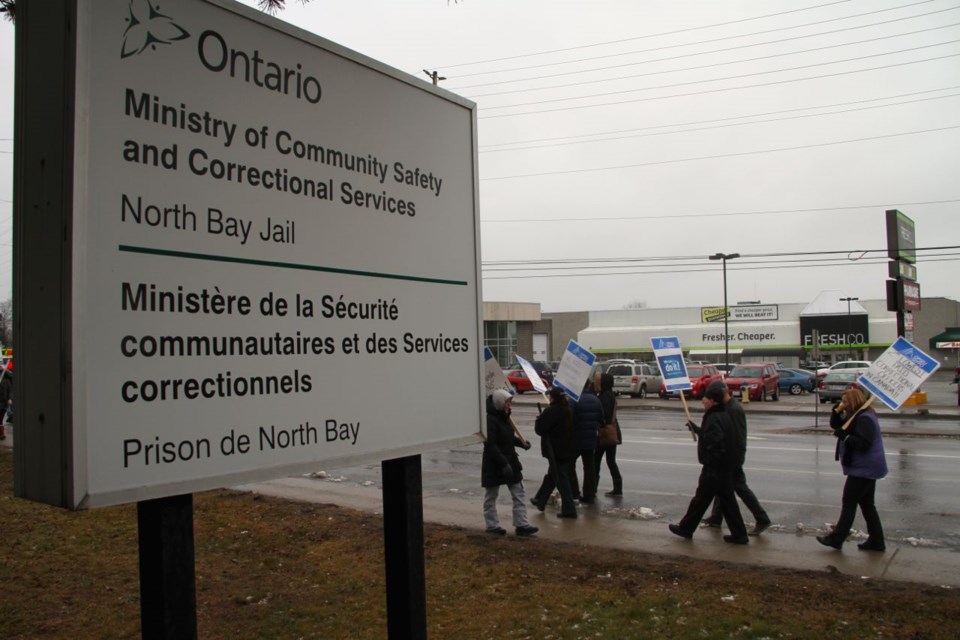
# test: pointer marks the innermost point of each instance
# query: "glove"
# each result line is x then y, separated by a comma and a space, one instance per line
526, 445
691, 425
508, 473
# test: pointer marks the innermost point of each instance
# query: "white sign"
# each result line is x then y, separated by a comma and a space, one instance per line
575, 367
533, 374
948, 345
673, 368
493, 374
276, 253
897, 373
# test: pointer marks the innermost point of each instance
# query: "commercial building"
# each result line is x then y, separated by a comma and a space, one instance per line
831, 328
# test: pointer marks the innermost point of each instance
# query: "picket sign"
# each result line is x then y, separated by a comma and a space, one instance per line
673, 369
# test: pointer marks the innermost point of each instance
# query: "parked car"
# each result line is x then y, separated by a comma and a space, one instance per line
858, 366
796, 381
701, 375
725, 369
518, 379
761, 380
832, 386
635, 380
814, 365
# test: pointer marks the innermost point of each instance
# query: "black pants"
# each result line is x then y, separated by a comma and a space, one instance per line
744, 493
858, 492
714, 483
589, 491
558, 477
611, 455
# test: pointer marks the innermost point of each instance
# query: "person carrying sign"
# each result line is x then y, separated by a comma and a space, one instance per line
555, 428
717, 451
860, 452
501, 465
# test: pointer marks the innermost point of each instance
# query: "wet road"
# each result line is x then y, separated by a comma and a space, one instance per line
790, 468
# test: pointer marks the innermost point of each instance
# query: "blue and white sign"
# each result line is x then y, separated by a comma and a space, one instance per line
575, 367
533, 374
897, 373
673, 369
492, 374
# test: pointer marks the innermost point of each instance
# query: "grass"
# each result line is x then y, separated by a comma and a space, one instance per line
271, 568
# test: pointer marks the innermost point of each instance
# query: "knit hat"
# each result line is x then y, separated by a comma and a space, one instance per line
500, 397
716, 390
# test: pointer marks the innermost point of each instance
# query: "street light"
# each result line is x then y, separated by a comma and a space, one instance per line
726, 334
849, 321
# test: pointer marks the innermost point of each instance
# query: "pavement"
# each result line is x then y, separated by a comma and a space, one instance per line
603, 524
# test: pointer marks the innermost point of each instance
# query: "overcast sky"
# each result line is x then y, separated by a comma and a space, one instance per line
627, 140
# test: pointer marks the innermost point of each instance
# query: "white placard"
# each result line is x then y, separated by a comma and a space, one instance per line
673, 368
493, 374
897, 373
276, 252
575, 367
533, 374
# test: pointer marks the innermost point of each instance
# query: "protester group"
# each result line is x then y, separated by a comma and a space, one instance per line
587, 429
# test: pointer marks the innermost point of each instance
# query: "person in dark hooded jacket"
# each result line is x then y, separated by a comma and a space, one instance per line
555, 428
608, 402
501, 465
6, 398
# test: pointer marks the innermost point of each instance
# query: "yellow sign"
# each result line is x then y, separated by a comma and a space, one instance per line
713, 314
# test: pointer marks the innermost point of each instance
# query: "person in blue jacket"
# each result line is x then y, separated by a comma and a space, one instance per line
587, 418
861, 455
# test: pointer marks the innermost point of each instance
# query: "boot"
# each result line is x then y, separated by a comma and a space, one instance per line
617, 488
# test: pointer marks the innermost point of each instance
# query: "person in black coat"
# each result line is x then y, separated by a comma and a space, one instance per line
608, 402
555, 428
6, 398
501, 465
739, 417
718, 454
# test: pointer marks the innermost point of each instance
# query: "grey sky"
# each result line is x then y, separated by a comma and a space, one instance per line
756, 127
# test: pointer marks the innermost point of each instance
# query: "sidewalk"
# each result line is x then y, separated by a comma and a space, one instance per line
785, 549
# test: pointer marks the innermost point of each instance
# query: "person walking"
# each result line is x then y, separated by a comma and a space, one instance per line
735, 410
861, 455
501, 465
717, 452
587, 418
608, 402
555, 428
6, 398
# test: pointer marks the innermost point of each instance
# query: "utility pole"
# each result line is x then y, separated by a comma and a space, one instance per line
435, 76
848, 300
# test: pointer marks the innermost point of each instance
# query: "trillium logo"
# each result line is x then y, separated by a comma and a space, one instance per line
147, 27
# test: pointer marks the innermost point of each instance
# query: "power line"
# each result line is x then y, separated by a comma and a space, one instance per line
734, 77
677, 57
719, 126
696, 122
668, 33
723, 155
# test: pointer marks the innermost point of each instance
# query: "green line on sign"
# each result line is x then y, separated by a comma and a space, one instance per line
283, 265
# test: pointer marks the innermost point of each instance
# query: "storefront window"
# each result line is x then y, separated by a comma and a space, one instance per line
501, 339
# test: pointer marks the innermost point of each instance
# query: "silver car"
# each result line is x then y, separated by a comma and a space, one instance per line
635, 380
831, 387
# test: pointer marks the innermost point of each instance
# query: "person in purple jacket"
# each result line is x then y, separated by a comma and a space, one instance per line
860, 452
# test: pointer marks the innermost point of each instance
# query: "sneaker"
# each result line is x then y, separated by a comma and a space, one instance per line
829, 541
526, 531
736, 539
712, 523
498, 531
760, 527
871, 546
675, 528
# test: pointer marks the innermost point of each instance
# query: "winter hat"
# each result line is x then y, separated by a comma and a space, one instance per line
715, 391
500, 397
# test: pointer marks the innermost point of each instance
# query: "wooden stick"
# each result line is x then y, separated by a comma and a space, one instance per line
866, 404
517, 431
686, 410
